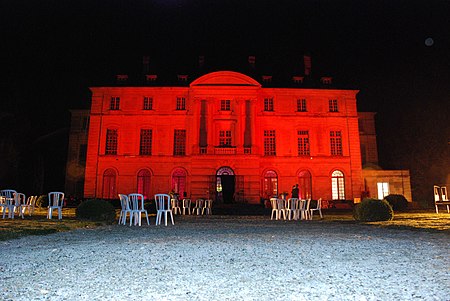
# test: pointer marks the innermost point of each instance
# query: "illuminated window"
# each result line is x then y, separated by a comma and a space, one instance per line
145, 147
337, 185
225, 105
225, 138
304, 185
303, 143
270, 184
269, 143
111, 142
109, 184
333, 105
179, 143
179, 181
181, 103
383, 189
336, 143
143, 183
301, 105
114, 103
268, 104
148, 103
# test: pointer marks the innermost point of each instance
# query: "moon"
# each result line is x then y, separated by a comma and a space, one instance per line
429, 42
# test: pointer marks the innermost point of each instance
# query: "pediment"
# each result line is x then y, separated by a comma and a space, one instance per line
225, 78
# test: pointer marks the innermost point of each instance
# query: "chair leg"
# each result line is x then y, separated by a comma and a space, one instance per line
437, 210
146, 215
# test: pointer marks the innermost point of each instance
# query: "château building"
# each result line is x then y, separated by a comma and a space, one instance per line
229, 137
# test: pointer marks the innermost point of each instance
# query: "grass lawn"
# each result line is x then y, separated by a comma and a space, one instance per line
426, 220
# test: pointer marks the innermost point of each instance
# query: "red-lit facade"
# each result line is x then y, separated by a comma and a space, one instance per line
224, 136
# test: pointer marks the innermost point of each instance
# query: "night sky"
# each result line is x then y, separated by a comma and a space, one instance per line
397, 53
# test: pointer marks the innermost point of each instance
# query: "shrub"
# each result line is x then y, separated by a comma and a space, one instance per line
42, 201
397, 202
373, 210
96, 210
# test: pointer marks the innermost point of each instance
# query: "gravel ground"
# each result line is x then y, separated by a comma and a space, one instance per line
228, 258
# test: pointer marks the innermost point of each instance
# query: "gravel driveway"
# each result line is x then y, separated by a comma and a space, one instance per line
228, 258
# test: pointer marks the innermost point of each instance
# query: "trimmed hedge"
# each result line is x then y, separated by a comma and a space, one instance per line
373, 210
397, 201
96, 210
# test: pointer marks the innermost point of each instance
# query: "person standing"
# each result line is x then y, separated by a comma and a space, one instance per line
295, 191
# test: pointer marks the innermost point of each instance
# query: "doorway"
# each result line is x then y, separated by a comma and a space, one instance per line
225, 185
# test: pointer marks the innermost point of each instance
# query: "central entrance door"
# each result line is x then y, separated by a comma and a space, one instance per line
225, 185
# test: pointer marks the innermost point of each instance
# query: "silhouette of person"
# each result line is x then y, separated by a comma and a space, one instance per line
295, 191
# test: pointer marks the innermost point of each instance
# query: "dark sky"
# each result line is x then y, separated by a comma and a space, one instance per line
52, 51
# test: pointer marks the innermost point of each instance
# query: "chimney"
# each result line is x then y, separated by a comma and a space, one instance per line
201, 61
307, 63
145, 64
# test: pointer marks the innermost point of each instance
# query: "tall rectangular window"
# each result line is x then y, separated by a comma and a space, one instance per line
145, 147
303, 143
111, 142
268, 104
179, 143
114, 103
148, 103
225, 105
181, 103
225, 138
301, 105
269, 143
82, 154
336, 143
333, 105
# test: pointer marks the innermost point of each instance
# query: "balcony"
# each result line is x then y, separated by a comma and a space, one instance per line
225, 150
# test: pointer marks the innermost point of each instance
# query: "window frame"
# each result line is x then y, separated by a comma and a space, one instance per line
270, 148
179, 142
112, 141
114, 104
336, 148
181, 103
333, 106
301, 105
145, 142
148, 103
303, 143
268, 104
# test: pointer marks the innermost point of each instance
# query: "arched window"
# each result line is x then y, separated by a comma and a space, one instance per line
143, 183
179, 181
304, 185
270, 184
337, 185
109, 184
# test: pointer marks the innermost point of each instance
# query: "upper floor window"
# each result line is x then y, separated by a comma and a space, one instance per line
148, 103
179, 143
301, 105
225, 138
115, 103
297, 79
145, 147
333, 105
181, 103
336, 143
225, 105
303, 143
268, 104
269, 143
111, 142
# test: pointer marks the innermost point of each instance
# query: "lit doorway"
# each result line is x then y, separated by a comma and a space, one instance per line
225, 185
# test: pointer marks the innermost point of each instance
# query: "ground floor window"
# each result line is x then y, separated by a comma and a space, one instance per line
383, 189
337, 185
270, 184
179, 181
143, 183
304, 185
109, 184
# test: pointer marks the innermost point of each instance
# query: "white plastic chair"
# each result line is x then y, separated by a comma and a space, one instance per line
175, 205
125, 209
291, 209
186, 204
198, 208
207, 207
317, 208
55, 201
163, 207
8, 202
29, 204
19, 201
136, 201
303, 213
277, 208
